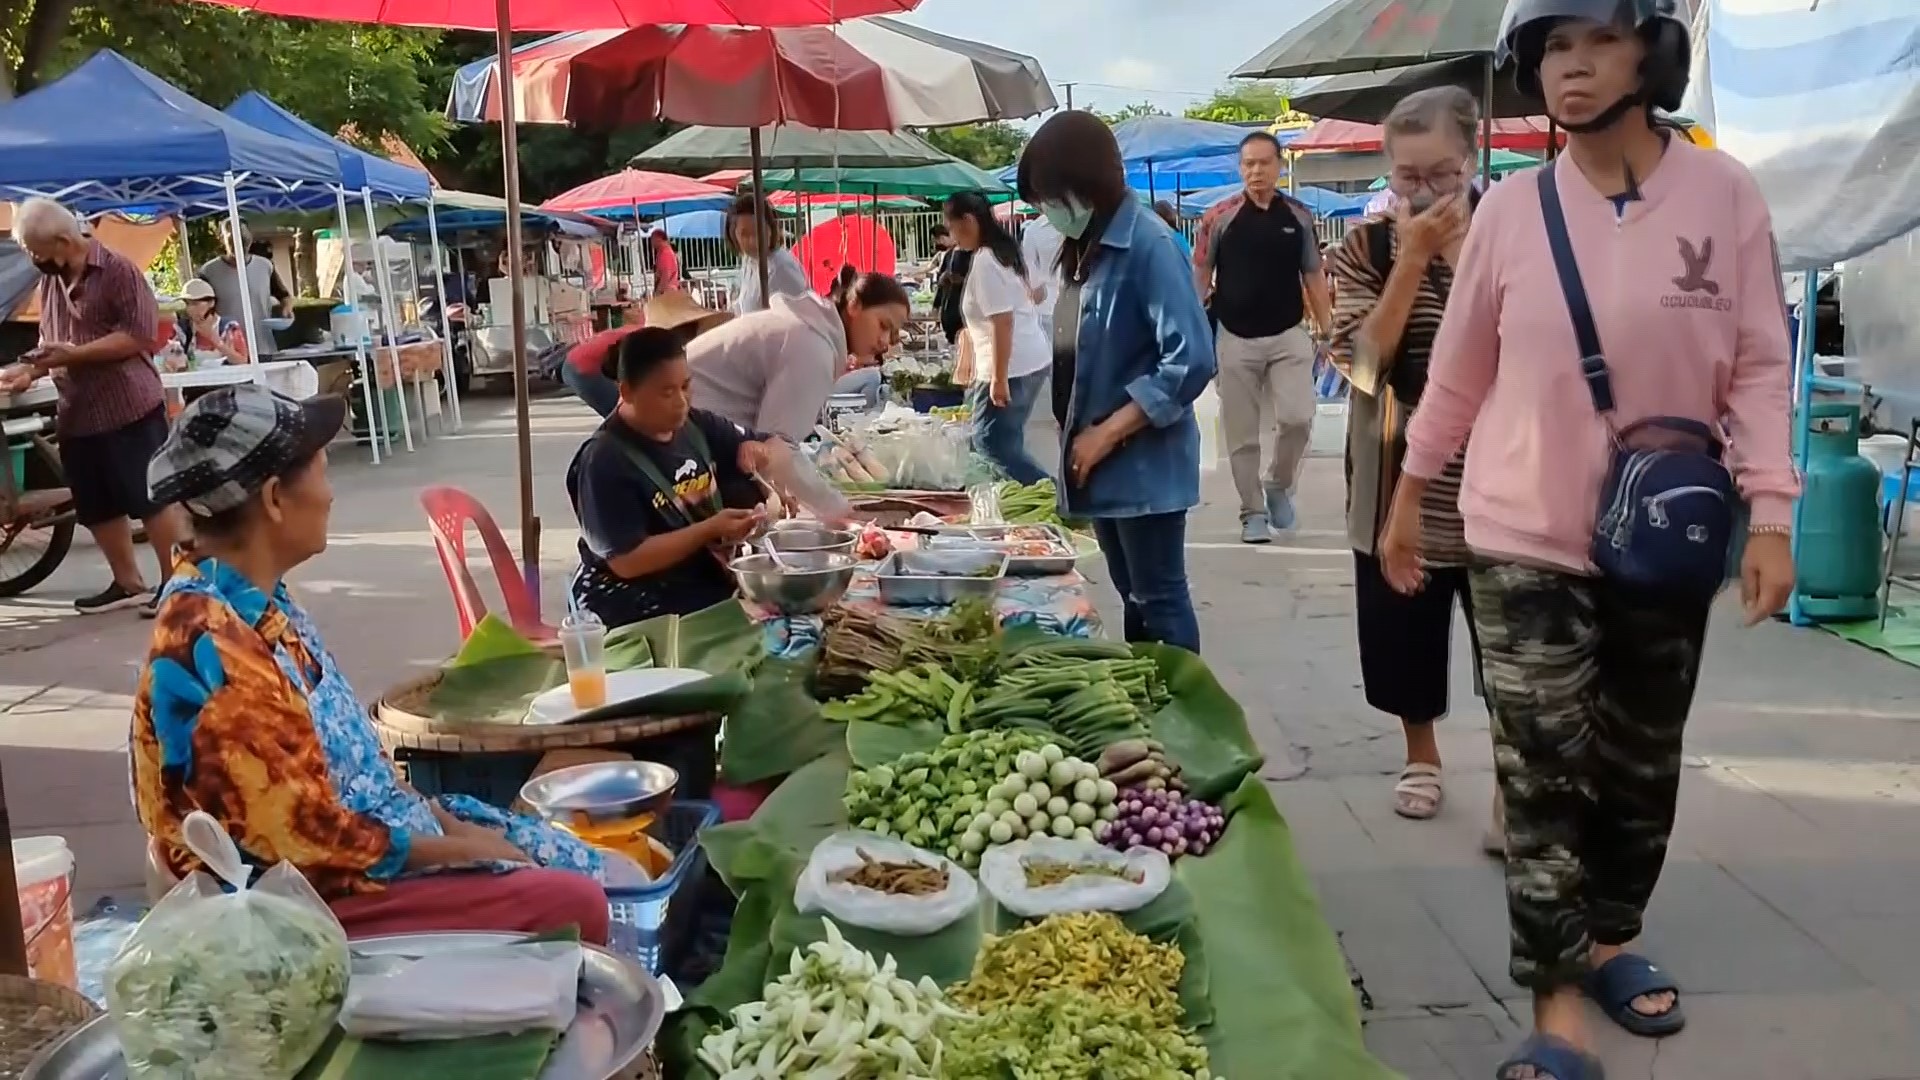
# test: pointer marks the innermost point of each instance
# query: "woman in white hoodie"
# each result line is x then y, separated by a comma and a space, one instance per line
785, 275
772, 371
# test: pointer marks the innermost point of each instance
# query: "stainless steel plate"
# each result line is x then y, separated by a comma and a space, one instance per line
939, 578
601, 792
620, 1011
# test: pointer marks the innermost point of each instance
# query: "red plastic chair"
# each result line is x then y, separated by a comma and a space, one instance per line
449, 511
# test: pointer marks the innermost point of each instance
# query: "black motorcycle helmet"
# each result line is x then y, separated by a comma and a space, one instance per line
1662, 24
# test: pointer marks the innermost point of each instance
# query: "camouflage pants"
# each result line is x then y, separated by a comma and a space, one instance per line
1589, 688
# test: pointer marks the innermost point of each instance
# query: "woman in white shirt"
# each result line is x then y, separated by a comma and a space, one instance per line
785, 275
1003, 351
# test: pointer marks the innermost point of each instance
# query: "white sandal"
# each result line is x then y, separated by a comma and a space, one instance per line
1418, 794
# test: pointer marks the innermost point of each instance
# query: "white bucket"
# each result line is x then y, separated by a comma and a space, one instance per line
43, 878
1887, 452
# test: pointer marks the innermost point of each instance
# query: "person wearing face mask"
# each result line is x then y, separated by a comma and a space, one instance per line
1613, 312
1132, 351
1256, 263
1391, 280
98, 321
773, 370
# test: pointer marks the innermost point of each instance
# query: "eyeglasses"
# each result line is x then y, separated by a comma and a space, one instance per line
1440, 178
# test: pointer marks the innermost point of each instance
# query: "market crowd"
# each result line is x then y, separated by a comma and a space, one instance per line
1535, 406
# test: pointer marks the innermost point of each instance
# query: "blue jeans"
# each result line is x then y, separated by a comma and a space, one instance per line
601, 394
1147, 558
1000, 433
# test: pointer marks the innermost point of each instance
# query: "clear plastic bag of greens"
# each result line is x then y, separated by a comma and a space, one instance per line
831, 883
219, 985
792, 473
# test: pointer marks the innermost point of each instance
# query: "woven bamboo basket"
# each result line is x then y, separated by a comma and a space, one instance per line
403, 726
32, 1015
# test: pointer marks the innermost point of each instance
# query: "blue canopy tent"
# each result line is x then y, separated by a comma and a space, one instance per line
374, 177
110, 135
1162, 146
1323, 203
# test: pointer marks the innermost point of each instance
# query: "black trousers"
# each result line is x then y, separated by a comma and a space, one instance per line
1406, 642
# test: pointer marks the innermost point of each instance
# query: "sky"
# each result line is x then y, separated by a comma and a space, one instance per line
1124, 51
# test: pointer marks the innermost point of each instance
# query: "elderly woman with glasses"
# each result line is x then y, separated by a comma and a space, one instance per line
1392, 277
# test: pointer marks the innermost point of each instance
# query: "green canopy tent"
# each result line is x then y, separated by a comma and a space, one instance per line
925, 181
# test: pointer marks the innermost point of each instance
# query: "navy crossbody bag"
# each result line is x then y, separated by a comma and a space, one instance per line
1669, 510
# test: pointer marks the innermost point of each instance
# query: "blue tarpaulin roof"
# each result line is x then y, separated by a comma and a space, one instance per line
111, 135
359, 170
696, 225
1322, 202
1167, 138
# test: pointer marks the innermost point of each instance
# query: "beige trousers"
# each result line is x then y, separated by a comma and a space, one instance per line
1266, 405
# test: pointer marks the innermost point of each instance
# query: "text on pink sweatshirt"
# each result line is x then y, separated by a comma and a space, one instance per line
1686, 295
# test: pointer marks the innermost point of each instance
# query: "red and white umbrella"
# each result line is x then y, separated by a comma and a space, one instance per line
869, 75
636, 190
524, 15
504, 17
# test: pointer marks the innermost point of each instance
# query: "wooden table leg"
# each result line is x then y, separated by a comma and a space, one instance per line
13, 940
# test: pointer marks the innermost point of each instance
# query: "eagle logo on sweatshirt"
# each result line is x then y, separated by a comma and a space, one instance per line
1697, 290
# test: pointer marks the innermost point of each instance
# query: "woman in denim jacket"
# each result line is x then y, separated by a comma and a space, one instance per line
1132, 351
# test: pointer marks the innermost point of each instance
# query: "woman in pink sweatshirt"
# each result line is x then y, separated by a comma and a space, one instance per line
1589, 681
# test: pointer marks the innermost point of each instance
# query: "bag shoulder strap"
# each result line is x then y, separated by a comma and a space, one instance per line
670, 508
1593, 363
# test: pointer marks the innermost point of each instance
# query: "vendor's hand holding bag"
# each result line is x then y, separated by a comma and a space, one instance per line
1669, 508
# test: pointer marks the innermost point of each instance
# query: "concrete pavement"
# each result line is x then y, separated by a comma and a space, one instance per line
1787, 910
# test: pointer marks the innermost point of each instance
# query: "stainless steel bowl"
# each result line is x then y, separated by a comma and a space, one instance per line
601, 792
800, 539
795, 582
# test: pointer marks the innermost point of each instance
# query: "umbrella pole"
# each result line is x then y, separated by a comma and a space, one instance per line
383, 282
760, 210
875, 210
1486, 128
1152, 195
13, 936
516, 266
446, 328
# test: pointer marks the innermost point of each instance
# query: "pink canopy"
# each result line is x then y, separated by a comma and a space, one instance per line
634, 189
1518, 133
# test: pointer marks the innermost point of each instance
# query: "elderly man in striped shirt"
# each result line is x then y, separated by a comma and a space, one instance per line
98, 322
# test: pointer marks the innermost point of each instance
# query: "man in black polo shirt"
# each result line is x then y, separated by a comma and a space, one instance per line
1257, 263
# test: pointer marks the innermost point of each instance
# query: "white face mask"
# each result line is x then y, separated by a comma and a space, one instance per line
1070, 217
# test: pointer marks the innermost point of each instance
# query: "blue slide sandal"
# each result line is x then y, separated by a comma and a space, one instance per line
1551, 1059
1615, 984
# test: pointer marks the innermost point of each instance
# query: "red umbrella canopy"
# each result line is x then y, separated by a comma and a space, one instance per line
631, 188
858, 241
719, 76
577, 14
1518, 133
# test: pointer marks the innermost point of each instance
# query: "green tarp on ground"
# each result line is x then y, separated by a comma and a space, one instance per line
1275, 984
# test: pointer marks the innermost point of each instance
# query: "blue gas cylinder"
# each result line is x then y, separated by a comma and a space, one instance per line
1837, 549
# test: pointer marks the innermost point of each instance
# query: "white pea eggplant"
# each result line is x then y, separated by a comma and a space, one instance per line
836, 1013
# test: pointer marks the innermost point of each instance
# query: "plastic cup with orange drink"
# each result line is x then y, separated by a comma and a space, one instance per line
583, 643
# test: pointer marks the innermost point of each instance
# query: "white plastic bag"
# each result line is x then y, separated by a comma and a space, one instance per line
909, 916
1003, 873
470, 992
228, 986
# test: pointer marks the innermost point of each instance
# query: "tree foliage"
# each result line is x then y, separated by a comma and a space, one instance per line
1131, 112
332, 74
1245, 102
987, 146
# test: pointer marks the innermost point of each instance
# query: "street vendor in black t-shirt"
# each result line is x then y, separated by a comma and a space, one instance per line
663, 492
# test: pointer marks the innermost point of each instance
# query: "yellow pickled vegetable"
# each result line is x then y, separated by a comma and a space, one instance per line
1089, 951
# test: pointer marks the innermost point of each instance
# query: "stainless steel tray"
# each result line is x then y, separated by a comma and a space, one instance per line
911, 578
1017, 565
620, 1010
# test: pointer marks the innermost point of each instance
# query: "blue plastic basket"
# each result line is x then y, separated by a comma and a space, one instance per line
647, 925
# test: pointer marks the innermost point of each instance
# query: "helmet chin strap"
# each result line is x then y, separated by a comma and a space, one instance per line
1606, 118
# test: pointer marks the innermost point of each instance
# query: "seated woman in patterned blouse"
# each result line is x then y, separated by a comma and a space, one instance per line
242, 712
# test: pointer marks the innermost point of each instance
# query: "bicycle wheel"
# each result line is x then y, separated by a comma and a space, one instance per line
36, 541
